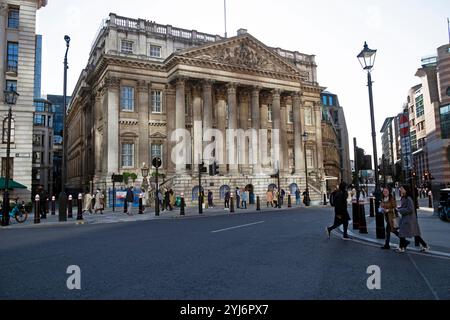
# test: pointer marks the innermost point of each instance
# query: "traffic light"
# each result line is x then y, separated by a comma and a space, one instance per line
214, 169
202, 168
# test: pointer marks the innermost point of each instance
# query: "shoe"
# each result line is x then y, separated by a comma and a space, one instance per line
328, 232
401, 250
346, 238
386, 247
425, 249
407, 244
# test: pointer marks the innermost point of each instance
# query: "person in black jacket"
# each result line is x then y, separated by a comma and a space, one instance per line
341, 216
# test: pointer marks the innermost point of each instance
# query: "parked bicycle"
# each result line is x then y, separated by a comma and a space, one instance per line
17, 212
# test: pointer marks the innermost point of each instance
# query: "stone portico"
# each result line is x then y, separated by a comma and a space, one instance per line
232, 83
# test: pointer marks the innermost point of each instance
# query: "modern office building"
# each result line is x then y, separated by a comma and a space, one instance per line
17, 69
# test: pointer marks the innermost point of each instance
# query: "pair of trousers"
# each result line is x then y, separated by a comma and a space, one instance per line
388, 234
404, 243
337, 223
244, 205
227, 203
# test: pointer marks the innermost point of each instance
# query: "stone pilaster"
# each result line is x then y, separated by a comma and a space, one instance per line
256, 126
277, 155
180, 118
283, 138
232, 125
198, 130
207, 111
143, 108
243, 124
298, 149
113, 149
222, 125
170, 109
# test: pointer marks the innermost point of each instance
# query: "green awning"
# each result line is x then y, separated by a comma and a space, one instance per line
11, 185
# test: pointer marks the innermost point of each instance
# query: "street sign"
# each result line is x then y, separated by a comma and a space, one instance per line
156, 162
117, 178
404, 126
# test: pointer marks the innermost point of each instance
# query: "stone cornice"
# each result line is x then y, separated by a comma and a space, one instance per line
130, 122
157, 124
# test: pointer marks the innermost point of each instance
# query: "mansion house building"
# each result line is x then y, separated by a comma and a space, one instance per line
144, 80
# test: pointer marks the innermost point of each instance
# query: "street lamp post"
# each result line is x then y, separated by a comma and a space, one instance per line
305, 139
367, 59
62, 195
144, 170
10, 99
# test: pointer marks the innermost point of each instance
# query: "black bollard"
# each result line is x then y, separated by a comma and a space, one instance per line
362, 218
182, 205
355, 215
231, 204
53, 205
37, 210
430, 200
289, 201
125, 206
141, 207
372, 207
258, 204
69, 207
80, 210
324, 199
62, 213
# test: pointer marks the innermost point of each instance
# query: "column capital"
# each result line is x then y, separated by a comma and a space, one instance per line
256, 90
111, 82
276, 93
207, 83
196, 89
243, 96
221, 93
142, 85
297, 94
181, 81
231, 87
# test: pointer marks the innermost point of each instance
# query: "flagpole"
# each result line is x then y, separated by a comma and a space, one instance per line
448, 27
225, 15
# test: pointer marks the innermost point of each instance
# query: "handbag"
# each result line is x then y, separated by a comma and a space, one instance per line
396, 222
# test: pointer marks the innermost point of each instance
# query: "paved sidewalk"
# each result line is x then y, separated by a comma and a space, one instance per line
109, 216
434, 231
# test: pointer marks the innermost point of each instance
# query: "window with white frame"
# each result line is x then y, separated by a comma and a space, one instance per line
126, 46
127, 98
269, 113
290, 114
155, 51
156, 151
308, 117
156, 101
127, 154
5, 131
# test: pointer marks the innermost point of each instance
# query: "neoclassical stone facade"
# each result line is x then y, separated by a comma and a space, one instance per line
145, 81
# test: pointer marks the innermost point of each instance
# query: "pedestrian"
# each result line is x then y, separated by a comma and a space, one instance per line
276, 196
210, 199
388, 207
282, 194
269, 198
161, 200
333, 195
297, 197
172, 199
306, 200
130, 199
244, 199
409, 225
341, 216
99, 202
238, 197
42, 202
87, 205
227, 199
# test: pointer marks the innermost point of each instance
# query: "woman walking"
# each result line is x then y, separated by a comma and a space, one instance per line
99, 202
409, 226
269, 198
341, 216
387, 207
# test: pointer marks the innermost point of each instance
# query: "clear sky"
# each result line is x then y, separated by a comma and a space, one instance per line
402, 31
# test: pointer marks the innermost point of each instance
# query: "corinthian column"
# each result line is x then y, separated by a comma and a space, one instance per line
298, 150
256, 125
222, 126
207, 111
198, 132
277, 156
232, 126
170, 108
180, 116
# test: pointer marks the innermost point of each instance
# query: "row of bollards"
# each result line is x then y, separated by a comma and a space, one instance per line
62, 213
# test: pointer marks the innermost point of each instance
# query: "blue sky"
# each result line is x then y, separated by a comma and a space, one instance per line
403, 31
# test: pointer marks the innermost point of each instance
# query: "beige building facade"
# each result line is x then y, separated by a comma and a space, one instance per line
145, 82
17, 63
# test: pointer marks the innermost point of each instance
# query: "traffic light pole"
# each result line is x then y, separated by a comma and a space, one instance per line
200, 198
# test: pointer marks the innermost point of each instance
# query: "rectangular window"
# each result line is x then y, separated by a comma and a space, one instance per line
269, 113
39, 120
127, 155
324, 100
37, 157
37, 140
13, 18
331, 100
308, 117
445, 121
419, 106
156, 151
50, 123
126, 46
13, 56
11, 83
413, 136
127, 98
156, 101
309, 158
155, 51
290, 115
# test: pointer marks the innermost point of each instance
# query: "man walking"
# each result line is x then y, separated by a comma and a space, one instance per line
130, 199
238, 197
210, 199
227, 200
341, 215
297, 196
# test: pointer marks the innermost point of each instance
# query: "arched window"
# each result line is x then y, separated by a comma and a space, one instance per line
293, 187
223, 189
5, 131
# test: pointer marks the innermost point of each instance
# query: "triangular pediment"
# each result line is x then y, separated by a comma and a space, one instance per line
243, 51
158, 135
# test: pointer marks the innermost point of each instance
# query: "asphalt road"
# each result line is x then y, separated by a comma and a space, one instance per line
273, 255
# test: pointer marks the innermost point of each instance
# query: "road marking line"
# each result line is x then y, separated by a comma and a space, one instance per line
236, 227
436, 297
